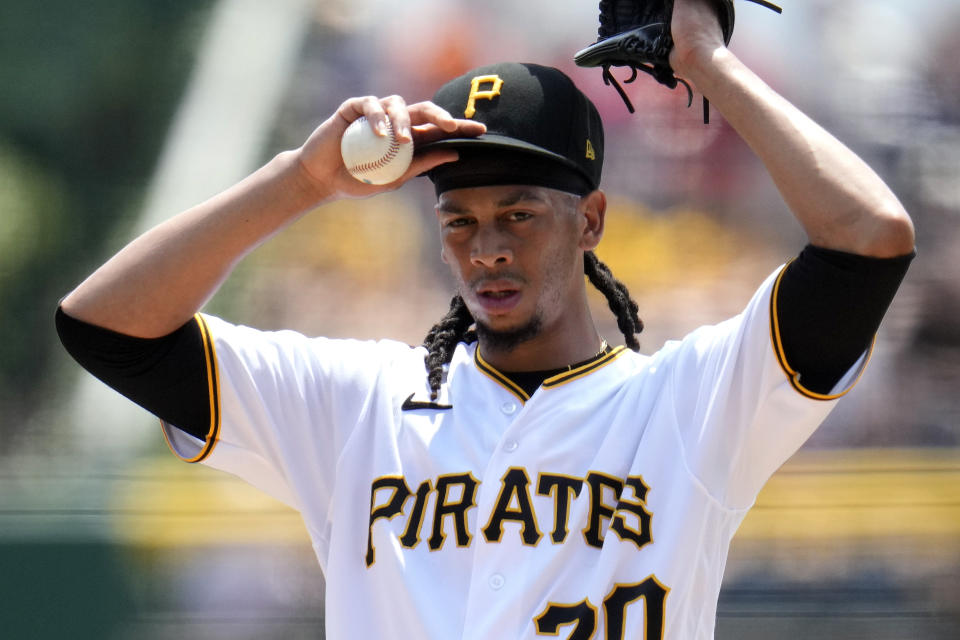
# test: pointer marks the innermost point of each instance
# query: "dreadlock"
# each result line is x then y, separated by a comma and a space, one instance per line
454, 327
618, 298
443, 339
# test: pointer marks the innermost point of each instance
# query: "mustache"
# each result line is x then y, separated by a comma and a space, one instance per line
481, 281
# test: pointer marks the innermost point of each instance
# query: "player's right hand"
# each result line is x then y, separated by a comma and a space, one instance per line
423, 122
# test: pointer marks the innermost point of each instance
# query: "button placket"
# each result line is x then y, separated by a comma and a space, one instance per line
487, 557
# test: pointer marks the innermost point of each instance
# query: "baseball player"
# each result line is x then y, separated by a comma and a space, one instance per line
516, 476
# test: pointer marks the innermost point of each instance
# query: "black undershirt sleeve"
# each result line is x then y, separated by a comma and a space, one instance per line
167, 376
829, 307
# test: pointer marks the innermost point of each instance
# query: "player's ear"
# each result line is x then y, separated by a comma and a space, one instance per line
593, 208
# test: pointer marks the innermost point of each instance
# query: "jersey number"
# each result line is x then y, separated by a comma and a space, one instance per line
583, 615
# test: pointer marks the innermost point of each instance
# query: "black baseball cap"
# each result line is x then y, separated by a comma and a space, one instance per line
541, 130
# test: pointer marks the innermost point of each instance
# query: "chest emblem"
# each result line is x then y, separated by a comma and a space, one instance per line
412, 405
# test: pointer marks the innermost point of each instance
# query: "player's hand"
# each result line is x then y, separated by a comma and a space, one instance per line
421, 122
696, 33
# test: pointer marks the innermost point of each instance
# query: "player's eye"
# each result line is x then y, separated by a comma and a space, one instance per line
457, 222
519, 216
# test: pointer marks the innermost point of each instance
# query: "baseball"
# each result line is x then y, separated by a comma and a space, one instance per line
371, 158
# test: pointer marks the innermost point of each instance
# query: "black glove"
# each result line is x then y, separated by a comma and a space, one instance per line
636, 34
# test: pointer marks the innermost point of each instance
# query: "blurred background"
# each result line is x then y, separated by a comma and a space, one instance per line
115, 115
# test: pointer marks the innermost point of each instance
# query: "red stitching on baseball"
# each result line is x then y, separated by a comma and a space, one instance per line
391, 153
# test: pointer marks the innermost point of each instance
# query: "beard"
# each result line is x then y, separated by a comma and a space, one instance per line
509, 339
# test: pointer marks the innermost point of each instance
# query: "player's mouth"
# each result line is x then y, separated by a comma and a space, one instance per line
498, 296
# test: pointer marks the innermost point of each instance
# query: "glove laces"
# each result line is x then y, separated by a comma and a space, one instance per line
613, 14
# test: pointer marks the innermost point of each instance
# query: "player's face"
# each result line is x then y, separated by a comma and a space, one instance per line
517, 255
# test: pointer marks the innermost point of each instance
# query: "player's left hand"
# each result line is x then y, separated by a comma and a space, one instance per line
696, 33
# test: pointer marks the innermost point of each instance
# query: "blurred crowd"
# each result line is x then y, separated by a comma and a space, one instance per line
695, 222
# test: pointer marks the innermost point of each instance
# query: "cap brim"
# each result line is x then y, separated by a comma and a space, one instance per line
494, 141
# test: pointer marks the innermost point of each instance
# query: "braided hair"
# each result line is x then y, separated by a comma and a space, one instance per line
454, 327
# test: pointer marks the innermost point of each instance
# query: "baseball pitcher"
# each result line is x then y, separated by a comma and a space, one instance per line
518, 475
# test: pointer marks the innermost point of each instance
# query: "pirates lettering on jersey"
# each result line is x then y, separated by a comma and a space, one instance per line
640, 534
515, 484
617, 505
601, 486
393, 506
455, 509
411, 535
560, 489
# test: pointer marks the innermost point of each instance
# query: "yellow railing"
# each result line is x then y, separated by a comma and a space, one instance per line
818, 495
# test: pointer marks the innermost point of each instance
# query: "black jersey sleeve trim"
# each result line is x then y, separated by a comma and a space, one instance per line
213, 392
825, 310
174, 377
792, 375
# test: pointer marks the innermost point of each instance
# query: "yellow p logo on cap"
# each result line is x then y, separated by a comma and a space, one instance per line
487, 94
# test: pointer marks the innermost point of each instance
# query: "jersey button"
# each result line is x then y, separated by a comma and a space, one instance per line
496, 581
510, 446
508, 407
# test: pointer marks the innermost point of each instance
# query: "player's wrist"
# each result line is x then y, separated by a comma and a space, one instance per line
696, 58
302, 183
703, 65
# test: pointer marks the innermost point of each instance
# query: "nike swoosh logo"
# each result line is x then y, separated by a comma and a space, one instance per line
410, 404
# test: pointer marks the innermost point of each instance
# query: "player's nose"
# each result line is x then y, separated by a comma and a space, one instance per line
490, 247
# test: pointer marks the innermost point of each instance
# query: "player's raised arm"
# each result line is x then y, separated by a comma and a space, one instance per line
157, 282
841, 203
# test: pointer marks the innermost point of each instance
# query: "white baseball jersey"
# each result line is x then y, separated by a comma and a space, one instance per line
600, 507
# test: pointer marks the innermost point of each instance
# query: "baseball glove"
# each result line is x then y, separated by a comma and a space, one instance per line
636, 34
